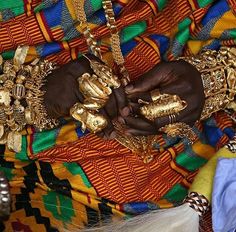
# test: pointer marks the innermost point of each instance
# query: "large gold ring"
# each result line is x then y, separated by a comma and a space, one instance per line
155, 94
172, 118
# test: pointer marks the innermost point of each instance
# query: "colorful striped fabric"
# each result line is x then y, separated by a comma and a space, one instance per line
64, 179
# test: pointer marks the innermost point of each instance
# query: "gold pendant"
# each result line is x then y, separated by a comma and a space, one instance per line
164, 105
90, 120
14, 141
5, 98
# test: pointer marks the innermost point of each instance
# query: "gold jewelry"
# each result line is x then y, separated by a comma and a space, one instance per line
179, 129
20, 84
115, 41
141, 146
172, 118
5, 197
218, 73
89, 120
81, 17
164, 105
96, 89
155, 94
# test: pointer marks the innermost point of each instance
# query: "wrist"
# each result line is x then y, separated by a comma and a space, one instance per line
218, 76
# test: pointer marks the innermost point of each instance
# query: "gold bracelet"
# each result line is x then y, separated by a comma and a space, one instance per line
21, 98
218, 73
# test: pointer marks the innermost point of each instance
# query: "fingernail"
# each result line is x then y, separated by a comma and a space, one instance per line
128, 88
112, 135
127, 133
121, 120
125, 111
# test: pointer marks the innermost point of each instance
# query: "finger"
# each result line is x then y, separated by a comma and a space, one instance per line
159, 75
79, 95
134, 109
145, 96
111, 107
176, 87
121, 99
109, 128
100, 134
186, 116
136, 132
140, 124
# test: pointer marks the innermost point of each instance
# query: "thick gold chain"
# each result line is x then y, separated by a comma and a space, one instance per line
115, 40
83, 23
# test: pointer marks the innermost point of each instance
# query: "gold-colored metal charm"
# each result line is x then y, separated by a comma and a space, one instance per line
5, 98
164, 105
29, 116
90, 86
94, 103
19, 85
2, 131
218, 75
96, 89
155, 94
105, 74
92, 121
179, 129
14, 141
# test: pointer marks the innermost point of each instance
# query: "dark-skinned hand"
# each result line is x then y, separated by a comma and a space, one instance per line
62, 88
62, 92
177, 77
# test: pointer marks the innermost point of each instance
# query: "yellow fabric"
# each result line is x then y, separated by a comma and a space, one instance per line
203, 182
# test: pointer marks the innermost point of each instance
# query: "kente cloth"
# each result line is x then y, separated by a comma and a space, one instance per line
67, 179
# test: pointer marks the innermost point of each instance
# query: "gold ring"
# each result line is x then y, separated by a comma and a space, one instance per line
172, 118
155, 94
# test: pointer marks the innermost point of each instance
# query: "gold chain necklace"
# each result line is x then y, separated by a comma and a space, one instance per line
142, 146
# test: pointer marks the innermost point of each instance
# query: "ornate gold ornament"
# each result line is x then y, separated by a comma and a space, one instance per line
181, 130
96, 89
21, 100
218, 76
163, 105
218, 72
93, 121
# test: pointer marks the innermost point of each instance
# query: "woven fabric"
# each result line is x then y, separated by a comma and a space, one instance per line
65, 179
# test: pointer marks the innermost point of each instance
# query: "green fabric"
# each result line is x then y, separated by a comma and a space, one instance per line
183, 34
44, 140
11, 4
190, 161
75, 169
203, 3
176, 194
23, 154
52, 200
132, 31
161, 4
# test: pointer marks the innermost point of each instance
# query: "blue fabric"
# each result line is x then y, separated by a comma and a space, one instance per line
216, 11
224, 196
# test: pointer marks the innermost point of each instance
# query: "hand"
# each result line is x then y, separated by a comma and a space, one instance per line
177, 77
62, 88
117, 101
62, 92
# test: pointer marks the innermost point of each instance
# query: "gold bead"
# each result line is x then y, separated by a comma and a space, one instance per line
18, 91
